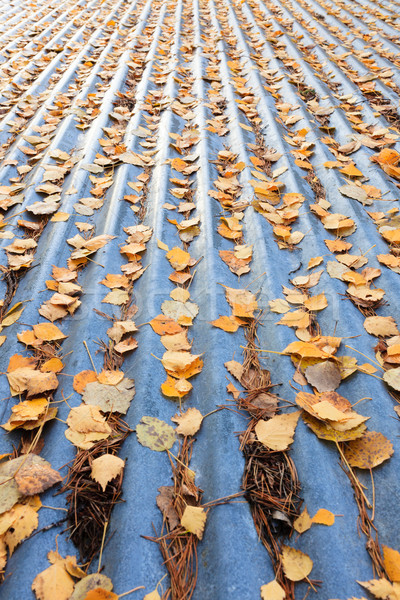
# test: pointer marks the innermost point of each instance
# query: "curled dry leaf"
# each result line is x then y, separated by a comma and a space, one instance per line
155, 434
105, 468
188, 422
194, 520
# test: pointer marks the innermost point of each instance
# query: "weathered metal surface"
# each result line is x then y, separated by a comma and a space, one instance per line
54, 40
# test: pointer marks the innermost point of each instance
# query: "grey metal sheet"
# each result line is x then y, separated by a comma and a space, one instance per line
232, 561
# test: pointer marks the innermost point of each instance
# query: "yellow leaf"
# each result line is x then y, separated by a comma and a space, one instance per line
162, 246
194, 520
180, 295
13, 314
318, 302
105, 468
242, 301
154, 595
175, 388
296, 564
367, 368
181, 364
314, 262
325, 410
381, 588
325, 432
116, 297
178, 258
277, 433
368, 451
53, 365
381, 326
189, 422
110, 377
272, 591
391, 560
279, 306
82, 379
60, 217
53, 582
303, 522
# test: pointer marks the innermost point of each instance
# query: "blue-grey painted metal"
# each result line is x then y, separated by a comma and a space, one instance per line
232, 562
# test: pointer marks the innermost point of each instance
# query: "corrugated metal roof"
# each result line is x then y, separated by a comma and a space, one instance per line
64, 67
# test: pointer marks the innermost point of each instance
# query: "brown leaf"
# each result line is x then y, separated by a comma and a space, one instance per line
165, 504
35, 475
324, 376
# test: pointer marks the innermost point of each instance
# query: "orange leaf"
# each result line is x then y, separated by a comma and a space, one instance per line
391, 560
101, 594
82, 379
304, 164
229, 324
53, 365
165, 325
324, 517
351, 171
48, 332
